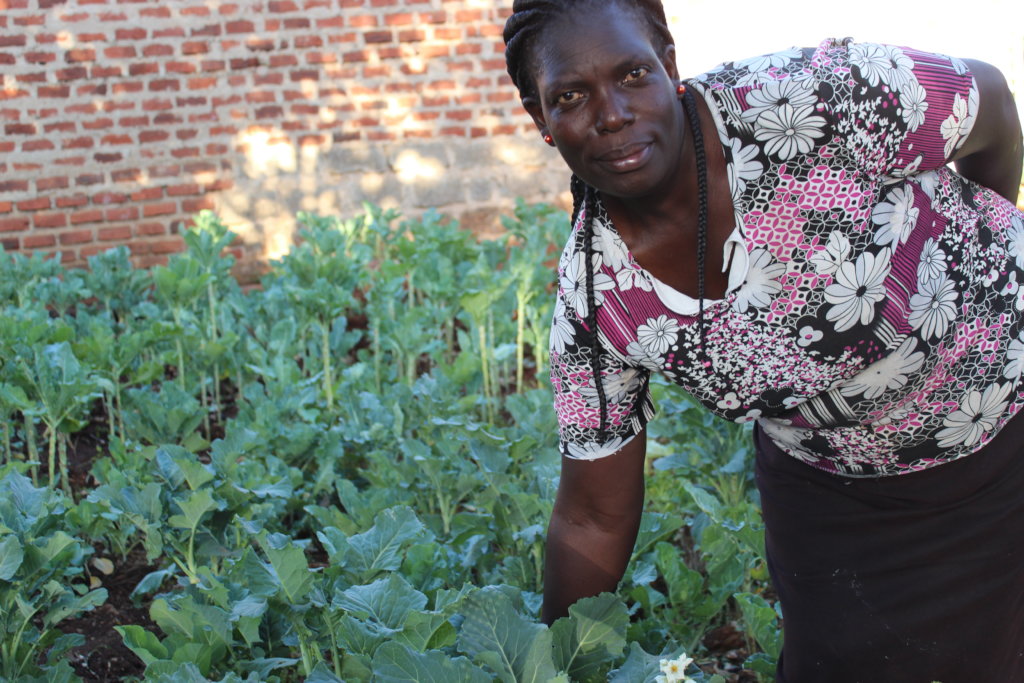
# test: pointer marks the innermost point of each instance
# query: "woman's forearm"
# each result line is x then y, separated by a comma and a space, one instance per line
583, 559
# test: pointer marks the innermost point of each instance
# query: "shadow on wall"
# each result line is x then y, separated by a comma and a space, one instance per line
471, 180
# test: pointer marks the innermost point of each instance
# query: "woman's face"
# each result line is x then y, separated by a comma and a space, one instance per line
609, 101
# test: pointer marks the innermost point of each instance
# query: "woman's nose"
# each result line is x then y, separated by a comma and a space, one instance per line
613, 112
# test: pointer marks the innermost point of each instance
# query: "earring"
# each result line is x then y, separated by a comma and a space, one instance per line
681, 89
548, 139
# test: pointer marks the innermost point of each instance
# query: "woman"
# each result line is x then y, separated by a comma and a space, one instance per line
782, 238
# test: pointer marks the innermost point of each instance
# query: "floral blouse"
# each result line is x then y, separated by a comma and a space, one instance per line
873, 321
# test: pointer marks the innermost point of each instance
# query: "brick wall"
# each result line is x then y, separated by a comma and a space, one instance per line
120, 118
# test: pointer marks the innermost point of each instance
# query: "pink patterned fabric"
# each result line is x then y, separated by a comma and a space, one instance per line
879, 327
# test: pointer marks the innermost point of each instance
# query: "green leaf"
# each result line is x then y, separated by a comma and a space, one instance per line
424, 631
290, 566
386, 603
762, 622
379, 549
396, 663
494, 634
193, 508
591, 637
321, 673
11, 555
143, 643
640, 666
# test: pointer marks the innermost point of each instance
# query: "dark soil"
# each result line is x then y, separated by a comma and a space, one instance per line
104, 656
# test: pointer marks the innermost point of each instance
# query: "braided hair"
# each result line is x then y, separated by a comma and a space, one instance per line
522, 29
530, 18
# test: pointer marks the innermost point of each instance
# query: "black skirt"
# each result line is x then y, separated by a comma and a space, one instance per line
906, 579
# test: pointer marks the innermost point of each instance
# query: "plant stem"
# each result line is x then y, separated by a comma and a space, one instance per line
51, 452
520, 339
30, 445
325, 349
62, 450
180, 347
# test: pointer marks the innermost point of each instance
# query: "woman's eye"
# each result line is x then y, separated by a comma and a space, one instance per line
637, 73
568, 97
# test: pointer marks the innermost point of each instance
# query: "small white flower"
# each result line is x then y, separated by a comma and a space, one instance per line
658, 334
914, 103
573, 282
762, 281
775, 94
639, 355
1015, 240
808, 335
896, 217
788, 131
932, 263
933, 307
836, 251
886, 373
978, 413
763, 62
729, 402
744, 167
1011, 286
674, 670
885, 64
749, 417
858, 287
1015, 355
562, 332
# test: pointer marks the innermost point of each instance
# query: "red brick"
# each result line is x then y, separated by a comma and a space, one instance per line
74, 201
10, 243
197, 205
160, 209
150, 229
80, 55
77, 143
17, 40
86, 216
201, 83
130, 34
116, 140
183, 190
146, 193
282, 6
98, 124
109, 198
122, 213
169, 246
180, 67
108, 157
16, 224
40, 57
34, 204
89, 179
142, 68
163, 84
76, 237
239, 26
37, 241
50, 220
20, 129
195, 47
118, 233
53, 91
55, 183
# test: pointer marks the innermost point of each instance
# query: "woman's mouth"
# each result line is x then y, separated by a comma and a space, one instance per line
627, 158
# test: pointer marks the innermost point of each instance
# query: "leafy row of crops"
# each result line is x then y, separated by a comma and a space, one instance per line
342, 474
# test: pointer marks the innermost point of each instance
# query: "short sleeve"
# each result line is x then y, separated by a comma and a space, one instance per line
625, 391
899, 111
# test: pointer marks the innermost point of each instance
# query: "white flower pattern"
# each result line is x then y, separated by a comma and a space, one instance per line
866, 323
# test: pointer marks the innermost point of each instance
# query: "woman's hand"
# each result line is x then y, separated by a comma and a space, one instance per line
991, 155
593, 526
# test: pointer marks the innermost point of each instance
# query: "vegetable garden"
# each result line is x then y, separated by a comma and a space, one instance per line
343, 474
